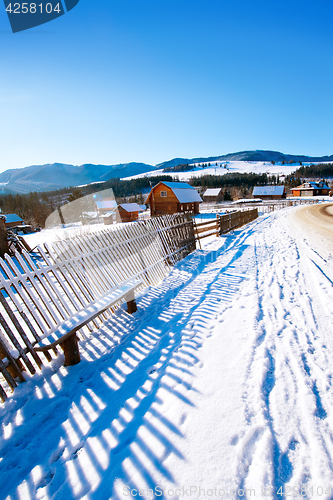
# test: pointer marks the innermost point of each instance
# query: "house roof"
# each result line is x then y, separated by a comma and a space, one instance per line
212, 191
106, 204
190, 195
182, 191
178, 185
131, 207
12, 218
268, 191
108, 214
311, 185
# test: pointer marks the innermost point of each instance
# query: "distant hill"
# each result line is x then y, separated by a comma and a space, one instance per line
58, 175
258, 155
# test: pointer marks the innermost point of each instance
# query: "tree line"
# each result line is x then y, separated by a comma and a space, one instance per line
235, 180
34, 207
322, 170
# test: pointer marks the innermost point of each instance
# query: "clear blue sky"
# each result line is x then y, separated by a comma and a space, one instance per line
141, 80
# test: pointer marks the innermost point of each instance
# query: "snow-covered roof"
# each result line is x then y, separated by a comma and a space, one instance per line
106, 204
268, 191
178, 185
212, 191
311, 185
89, 214
12, 218
246, 200
131, 207
186, 195
108, 214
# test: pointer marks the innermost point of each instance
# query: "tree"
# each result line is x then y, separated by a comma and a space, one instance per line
75, 195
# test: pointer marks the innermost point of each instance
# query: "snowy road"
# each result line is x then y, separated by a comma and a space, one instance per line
220, 386
317, 221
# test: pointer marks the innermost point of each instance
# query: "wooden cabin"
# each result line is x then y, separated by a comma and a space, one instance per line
128, 212
213, 195
104, 206
269, 192
311, 189
13, 220
173, 197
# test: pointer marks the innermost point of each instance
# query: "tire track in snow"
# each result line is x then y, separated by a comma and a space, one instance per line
288, 335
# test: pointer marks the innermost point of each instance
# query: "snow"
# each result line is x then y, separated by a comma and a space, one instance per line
258, 167
220, 383
187, 195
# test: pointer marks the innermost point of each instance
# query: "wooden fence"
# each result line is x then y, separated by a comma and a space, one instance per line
263, 207
224, 223
38, 294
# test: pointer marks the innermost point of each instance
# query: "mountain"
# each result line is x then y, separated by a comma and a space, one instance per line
58, 175
258, 155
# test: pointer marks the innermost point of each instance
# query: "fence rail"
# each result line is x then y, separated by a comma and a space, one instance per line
38, 293
265, 206
224, 223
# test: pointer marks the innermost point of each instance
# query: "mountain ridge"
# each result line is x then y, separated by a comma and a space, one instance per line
255, 155
53, 176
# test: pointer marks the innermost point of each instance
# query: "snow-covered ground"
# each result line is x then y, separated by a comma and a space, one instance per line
221, 383
258, 167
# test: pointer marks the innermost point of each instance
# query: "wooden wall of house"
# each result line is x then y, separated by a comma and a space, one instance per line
271, 197
123, 216
14, 224
161, 204
212, 199
169, 204
3, 239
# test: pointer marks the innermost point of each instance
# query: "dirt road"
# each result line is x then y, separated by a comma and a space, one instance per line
316, 224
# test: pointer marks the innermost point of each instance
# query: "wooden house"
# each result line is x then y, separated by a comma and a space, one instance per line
128, 212
173, 197
269, 192
213, 195
104, 206
13, 220
311, 189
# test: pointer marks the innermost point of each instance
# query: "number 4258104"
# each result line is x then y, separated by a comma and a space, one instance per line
33, 8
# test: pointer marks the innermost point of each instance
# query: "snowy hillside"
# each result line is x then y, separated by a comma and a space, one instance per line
224, 167
223, 380
58, 175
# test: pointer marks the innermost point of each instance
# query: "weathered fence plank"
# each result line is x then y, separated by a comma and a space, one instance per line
65, 277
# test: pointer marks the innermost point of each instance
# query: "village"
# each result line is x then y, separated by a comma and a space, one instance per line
164, 198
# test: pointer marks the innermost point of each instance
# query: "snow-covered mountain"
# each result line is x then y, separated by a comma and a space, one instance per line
257, 155
59, 175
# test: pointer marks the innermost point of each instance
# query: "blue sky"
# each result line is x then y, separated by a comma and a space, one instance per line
141, 80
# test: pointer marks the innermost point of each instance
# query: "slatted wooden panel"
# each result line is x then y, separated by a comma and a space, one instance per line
37, 296
142, 249
225, 223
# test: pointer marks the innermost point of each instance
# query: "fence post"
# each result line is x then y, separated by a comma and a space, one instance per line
3, 238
